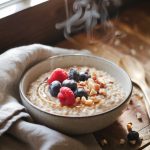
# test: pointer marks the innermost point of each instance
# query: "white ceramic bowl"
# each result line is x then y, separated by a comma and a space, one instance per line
75, 125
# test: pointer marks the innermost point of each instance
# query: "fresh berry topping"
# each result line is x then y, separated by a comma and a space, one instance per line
54, 88
58, 74
70, 84
133, 135
73, 74
80, 92
66, 96
83, 76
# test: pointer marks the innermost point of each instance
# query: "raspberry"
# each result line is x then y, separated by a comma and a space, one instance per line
66, 96
58, 74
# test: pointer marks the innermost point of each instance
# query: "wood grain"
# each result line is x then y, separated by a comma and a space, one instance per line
129, 34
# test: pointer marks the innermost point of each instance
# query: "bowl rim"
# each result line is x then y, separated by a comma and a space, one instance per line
88, 116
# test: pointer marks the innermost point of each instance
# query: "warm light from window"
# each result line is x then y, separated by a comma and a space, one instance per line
4, 1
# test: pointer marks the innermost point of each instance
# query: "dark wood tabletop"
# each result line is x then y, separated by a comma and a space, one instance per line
129, 34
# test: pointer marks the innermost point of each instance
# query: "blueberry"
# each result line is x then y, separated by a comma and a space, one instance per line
81, 92
133, 135
54, 88
70, 84
73, 74
83, 76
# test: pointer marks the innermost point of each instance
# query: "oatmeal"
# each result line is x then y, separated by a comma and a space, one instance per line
76, 91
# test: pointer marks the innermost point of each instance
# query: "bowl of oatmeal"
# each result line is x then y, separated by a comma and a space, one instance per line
75, 94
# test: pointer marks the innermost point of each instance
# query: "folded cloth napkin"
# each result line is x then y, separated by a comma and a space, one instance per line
15, 122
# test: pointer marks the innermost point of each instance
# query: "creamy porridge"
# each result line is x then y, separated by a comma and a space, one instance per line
76, 91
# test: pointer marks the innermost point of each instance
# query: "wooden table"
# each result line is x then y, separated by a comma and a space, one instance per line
129, 34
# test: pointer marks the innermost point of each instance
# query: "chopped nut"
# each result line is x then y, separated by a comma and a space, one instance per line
82, 83
101, 82
102, 92
78, 99
97, 87
93, 92
83, 99
122, 141
103, 142
139, 116
129, 126
87, 90
96, 100
90, 83
133, 142
94, 76
88, 102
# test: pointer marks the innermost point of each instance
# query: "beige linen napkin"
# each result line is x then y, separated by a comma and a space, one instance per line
28, 135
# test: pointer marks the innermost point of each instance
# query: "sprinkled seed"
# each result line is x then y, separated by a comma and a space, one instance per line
122, 141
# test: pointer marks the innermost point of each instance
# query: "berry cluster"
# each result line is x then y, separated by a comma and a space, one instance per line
63, 85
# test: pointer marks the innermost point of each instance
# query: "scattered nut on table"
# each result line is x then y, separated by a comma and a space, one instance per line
129, 126
122, 141
104, 142
133, 142
139, 116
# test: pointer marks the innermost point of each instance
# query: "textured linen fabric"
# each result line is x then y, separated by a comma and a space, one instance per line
15, 132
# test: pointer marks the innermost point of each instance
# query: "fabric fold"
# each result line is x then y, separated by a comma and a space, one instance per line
13, 64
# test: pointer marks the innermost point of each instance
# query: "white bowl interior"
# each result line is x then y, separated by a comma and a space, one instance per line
73, 60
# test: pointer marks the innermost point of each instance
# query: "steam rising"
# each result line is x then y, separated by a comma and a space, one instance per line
86, 14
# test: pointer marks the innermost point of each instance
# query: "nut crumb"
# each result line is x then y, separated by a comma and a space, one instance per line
89, 102
93, 92
104, 142
122, 141
78, 99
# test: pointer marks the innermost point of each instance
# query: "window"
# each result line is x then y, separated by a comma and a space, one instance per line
4, 1
8, 7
